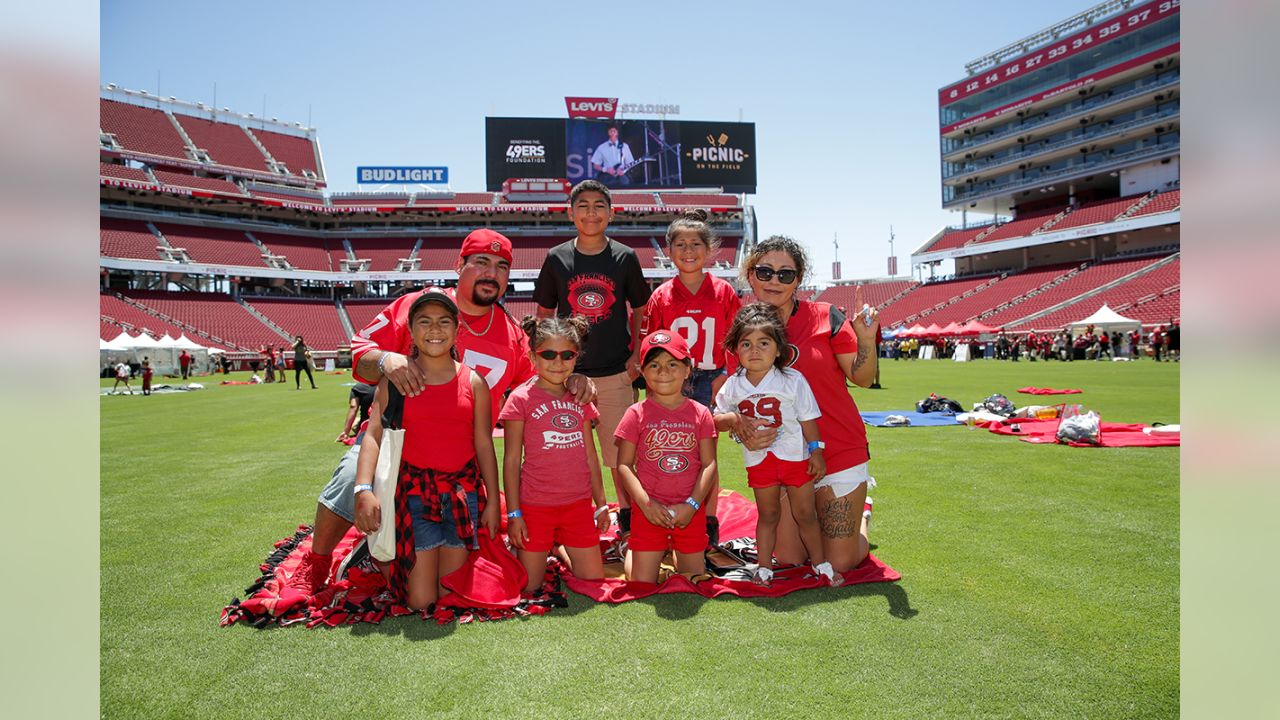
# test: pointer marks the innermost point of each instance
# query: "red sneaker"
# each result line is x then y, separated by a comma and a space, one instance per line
866, 512
312, 574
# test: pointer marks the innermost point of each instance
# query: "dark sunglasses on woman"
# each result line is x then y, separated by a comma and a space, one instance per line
551, 354
764, 273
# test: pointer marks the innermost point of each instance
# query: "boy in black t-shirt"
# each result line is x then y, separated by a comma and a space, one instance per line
599, 278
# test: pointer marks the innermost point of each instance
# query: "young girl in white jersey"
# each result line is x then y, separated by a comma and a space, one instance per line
551, 474
765, 389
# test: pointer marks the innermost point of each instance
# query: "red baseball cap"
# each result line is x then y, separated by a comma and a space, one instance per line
488, 242
672, 342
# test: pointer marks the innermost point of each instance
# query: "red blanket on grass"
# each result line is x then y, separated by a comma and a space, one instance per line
1112, 434
1029, 390
362, 595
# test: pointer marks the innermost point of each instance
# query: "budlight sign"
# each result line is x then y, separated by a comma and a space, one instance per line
382, 175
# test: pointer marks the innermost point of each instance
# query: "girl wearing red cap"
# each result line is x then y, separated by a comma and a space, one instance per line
667, 460
551, 474
448, 468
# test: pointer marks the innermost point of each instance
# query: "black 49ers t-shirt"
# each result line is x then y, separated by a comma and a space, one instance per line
599, 287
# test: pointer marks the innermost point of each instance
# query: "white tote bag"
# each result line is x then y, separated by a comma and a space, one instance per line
382, 543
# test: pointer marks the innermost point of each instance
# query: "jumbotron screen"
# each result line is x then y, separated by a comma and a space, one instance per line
623, 154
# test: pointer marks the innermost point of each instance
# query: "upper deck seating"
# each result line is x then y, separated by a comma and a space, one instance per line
141, 129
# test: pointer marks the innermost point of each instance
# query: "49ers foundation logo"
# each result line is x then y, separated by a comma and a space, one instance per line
592, 296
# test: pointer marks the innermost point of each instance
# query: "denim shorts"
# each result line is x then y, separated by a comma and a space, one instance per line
428, 535
699, 387
339, 495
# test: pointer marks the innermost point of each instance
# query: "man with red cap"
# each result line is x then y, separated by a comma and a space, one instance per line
489, 342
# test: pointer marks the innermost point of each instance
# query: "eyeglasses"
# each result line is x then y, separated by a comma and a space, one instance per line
764, 273
551, 354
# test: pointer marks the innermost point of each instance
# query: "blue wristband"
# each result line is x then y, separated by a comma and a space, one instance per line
514, 514
693, 504
815, 445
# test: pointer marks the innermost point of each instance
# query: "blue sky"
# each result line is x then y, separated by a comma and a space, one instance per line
843, 94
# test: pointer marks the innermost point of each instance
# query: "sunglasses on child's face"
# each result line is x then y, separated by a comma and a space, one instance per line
551, 354
764, 273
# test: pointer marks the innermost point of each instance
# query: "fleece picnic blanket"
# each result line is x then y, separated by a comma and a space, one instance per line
1036, 431
359, 593
1031, 390
918, 419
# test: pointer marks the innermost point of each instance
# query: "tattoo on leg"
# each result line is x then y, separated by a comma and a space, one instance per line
835, 516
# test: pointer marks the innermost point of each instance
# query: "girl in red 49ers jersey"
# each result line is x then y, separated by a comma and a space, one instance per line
700, 307
667, 459
551, 473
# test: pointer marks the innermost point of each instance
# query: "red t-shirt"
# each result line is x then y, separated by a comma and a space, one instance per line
556, 433
703, 318
439, 425
500, 355
816, 333
667, 441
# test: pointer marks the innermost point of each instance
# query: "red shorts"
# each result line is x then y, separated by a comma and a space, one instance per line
772, 472
571, 525
647, 537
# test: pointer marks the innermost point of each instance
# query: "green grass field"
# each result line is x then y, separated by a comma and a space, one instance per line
1038, 581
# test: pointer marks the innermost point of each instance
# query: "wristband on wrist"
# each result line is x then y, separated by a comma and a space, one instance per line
816, 445
363, 487
693, 503
514, 514
382, 358
602, 508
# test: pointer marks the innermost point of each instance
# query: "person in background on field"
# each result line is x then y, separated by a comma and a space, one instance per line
146, 376
1157, 342
122, 376
281, 365
701, 307
184, 362
302, 362
1173, 342
270, 356
551, 472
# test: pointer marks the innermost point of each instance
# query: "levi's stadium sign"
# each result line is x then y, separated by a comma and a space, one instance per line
402, 175
591, 108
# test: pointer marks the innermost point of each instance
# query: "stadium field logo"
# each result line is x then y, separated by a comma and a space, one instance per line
718, 154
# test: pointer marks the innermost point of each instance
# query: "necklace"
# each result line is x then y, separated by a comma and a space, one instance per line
487, 327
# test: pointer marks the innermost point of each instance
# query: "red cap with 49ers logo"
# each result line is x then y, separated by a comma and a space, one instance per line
672, 342
488, 242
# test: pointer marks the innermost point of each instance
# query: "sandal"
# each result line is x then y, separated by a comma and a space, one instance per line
763, 577
825, 570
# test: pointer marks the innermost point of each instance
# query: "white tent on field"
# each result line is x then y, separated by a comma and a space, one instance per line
1105, 319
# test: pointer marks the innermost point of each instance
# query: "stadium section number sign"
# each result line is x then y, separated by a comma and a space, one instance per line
653, 153
402, 175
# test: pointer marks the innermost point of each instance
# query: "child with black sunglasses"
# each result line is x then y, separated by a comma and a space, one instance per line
551, 474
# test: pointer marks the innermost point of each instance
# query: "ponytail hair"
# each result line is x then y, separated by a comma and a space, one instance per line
573, 328
694, 220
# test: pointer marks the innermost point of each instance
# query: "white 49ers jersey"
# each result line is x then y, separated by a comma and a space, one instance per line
783, 398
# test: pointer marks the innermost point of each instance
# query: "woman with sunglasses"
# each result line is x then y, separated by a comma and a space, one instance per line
550, 471
827, 350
